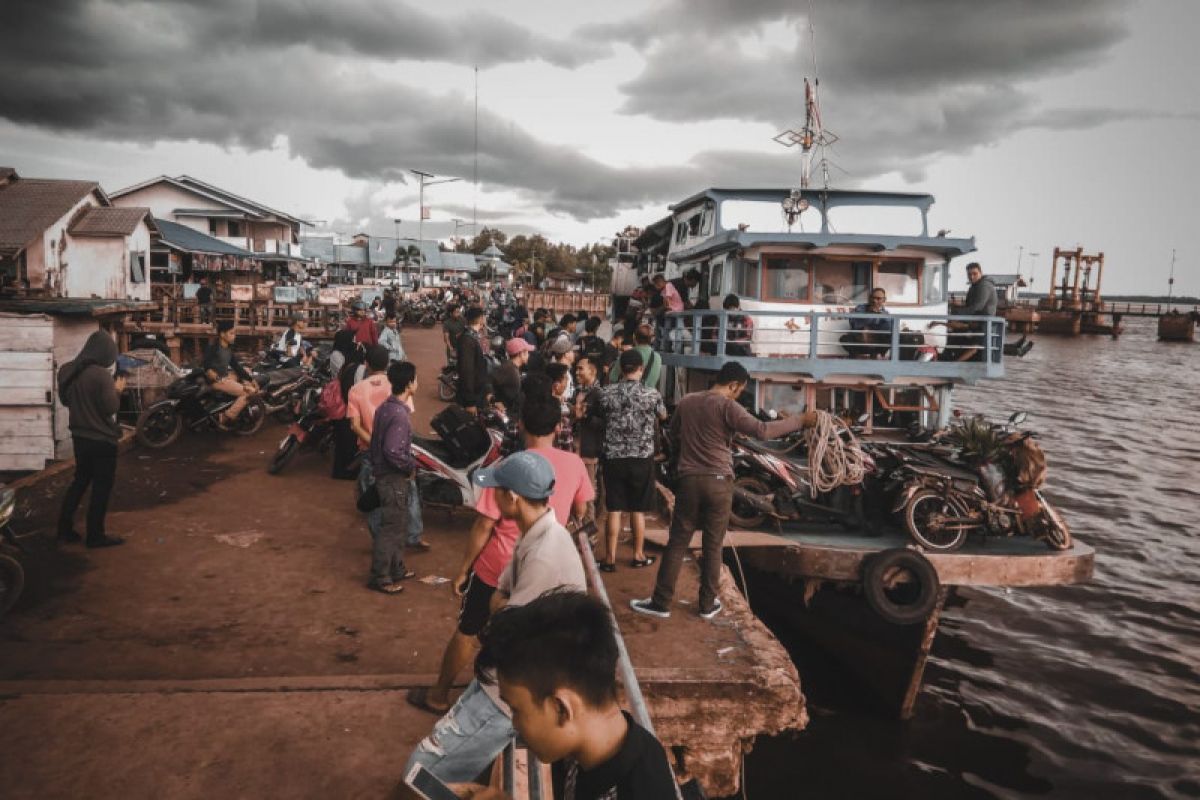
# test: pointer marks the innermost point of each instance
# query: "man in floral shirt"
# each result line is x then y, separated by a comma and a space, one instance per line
630, 411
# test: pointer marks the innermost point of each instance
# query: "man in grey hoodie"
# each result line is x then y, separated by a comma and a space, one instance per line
92, 396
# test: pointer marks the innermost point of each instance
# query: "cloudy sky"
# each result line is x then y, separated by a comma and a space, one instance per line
1035, 123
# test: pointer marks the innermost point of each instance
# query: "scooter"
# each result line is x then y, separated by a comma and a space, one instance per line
190, 402
941, 503
12, 574
444, 476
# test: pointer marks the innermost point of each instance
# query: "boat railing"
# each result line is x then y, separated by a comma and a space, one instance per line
818, 344
523, 773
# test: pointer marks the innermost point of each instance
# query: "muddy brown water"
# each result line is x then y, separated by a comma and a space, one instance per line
1083, 691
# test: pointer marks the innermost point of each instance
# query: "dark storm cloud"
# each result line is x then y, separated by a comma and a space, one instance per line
904, 82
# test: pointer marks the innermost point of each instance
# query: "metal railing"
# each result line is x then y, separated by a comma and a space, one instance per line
822, 343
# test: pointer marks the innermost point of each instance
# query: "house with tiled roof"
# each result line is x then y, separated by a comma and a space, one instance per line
63, 239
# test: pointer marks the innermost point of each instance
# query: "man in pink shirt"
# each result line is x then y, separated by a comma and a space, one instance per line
361, 403
493, 539
670, 295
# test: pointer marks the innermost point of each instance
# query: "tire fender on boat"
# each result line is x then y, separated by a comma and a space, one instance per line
879, 572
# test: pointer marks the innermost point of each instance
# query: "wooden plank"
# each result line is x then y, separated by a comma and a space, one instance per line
27, 445
19, 421
21, 462
13, 360
26, 378
24, 396
26, 338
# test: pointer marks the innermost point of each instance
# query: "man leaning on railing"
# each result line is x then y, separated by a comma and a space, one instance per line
981, 302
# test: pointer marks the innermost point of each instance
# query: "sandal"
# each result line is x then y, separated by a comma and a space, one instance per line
642, 562
605, 566
385, 588
421, 545
408, 573
418, 697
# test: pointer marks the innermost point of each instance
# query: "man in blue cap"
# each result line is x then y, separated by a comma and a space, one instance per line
468, 738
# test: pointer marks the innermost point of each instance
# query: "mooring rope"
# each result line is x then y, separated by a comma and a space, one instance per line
834, 459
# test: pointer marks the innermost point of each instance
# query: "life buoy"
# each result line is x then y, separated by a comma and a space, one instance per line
906, 604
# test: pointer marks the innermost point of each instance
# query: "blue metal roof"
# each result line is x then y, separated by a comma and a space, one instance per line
181, 237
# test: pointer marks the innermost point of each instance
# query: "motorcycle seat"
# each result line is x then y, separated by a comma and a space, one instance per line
438, 449
279, 377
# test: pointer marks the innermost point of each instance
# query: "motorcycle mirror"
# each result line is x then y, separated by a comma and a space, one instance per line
1018, 418
862, 420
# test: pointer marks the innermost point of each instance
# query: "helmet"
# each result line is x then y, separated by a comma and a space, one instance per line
358, 305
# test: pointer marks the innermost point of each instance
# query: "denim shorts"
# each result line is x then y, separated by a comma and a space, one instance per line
466, 740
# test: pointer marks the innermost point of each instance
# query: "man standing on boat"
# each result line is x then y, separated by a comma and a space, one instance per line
981, 302
702, 431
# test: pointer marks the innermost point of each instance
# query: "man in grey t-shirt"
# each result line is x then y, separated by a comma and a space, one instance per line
477, 728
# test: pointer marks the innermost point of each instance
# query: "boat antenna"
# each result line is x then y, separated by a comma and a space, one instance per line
475, 167
1171, 280
811, 135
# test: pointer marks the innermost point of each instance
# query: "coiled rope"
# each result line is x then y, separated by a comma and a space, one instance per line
835, 457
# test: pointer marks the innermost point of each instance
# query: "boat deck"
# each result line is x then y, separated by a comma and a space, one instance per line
833, 554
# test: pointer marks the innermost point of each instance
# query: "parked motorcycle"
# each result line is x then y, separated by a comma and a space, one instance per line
191, 403
447, 465
311, 431
12, 574
982, 477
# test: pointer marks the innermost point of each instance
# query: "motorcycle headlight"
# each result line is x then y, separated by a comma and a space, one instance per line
8, 502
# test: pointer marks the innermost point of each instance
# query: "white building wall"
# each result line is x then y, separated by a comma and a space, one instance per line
162, 199
44, 259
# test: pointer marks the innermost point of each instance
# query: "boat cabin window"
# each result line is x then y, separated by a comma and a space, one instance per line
900, 280
716, 283
934, 280
745, 277
681, 232
841, 282
785, 278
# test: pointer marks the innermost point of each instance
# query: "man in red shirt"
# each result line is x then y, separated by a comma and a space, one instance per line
492, 540
363, 327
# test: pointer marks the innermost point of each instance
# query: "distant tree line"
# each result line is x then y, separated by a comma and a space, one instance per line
534, 257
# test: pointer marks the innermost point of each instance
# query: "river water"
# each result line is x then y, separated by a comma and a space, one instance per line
1081, 691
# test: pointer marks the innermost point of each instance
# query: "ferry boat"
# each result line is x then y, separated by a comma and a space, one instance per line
802, 264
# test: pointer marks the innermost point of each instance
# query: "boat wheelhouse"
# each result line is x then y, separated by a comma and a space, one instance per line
800, 263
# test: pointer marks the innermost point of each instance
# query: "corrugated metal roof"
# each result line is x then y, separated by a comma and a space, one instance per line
28, 206
181, 237
73, 306
109, 221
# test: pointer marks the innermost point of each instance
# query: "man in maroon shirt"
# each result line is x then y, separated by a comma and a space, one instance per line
363, 327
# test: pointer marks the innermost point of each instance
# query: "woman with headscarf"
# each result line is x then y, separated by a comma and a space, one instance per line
92, 397
343, 347
351, 370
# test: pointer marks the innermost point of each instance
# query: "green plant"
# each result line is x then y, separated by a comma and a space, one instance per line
978, 441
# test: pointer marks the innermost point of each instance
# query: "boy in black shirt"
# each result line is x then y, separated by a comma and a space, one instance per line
555, 659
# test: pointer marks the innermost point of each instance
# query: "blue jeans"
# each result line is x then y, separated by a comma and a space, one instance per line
466, 740
416, 524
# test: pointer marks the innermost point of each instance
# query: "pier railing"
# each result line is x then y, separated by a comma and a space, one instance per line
818, 344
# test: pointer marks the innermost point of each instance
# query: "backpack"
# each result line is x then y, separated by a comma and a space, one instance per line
649, 367
332, 405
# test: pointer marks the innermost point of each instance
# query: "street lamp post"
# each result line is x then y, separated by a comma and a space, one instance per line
425, 181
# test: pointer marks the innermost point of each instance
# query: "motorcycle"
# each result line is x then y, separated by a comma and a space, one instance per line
311, 430
191, 403
772, 482
447, 383
982, 478
445, 475
12, 574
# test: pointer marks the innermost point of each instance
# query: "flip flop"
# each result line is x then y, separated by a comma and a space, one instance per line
642, 562
408, 573
386, 588
421, 545
418, 697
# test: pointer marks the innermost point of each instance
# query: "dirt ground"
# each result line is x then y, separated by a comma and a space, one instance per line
230, 648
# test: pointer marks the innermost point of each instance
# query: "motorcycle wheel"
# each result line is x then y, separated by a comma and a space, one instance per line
1054, 528
744, 515
446, 390
159, 426
252, 418
923, 505
12, 582
283, 455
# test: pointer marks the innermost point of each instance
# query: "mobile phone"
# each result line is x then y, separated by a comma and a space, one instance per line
428, 785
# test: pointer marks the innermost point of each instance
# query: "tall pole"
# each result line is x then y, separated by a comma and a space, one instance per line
475, 167
1171, 280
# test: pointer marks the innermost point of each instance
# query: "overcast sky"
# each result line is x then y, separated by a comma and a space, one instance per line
1035, 123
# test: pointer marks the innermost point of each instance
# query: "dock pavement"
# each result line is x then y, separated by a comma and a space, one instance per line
231, 649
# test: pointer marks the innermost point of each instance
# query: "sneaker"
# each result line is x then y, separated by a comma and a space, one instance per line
650, 608
712, 612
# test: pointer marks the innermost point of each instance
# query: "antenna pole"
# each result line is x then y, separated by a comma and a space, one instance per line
1171, 280
475, 168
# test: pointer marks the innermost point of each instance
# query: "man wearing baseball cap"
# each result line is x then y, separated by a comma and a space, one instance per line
506, 379
467, 740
